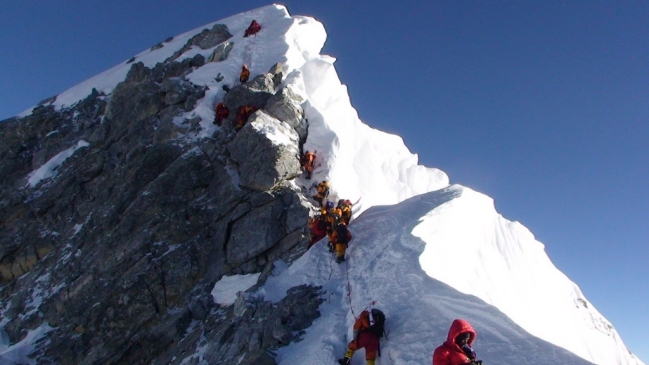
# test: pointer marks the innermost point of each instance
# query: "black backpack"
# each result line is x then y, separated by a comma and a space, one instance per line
341, 231
378, 328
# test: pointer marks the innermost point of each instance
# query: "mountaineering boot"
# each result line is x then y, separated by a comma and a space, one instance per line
345, 361
340, 259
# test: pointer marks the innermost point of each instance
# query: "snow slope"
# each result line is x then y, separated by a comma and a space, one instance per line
384, 266
426, 252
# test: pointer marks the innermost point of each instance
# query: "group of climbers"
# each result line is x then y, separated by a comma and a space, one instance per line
332, 221
369, 328
221, 112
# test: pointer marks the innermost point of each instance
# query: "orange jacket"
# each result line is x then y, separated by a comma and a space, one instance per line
449, 353
323, 189
244, 75
307, 161
363, 321
346, 214
243, 113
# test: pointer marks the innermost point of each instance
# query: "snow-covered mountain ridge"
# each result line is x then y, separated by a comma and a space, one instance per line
420, 246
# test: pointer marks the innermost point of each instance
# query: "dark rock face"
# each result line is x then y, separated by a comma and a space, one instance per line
266, 150
286, 105
221, 52
116, 254
206, 39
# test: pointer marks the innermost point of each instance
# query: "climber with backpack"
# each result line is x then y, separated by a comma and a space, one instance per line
307, 160
243, 113
323, 192
456, 350
340, 239
220, 112
333, 218
369, 327
253, 29
244, 75
318, 226
346, 211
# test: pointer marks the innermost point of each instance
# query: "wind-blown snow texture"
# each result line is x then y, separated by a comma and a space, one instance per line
427, 253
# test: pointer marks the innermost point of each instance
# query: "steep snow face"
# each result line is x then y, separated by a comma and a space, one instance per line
472, 248
436, 257
383, 265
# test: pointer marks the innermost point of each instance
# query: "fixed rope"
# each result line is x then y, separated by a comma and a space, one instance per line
349, 291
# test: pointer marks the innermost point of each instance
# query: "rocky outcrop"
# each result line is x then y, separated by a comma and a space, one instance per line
221, 52
266, 151
286, 106
206, 39
116, 254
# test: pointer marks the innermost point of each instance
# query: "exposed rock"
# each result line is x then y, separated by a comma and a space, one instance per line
257, 92
221, 52
267, 152
206, 39
286, 106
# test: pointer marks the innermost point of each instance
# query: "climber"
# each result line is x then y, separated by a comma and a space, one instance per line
220, 112
456, 350
244, 75
307, 160
346, 211
252, 29
341, 237
317, 225
243, 113
332, 220
368, 330
323, 192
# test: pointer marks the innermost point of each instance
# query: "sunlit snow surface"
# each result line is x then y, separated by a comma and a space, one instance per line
427, 253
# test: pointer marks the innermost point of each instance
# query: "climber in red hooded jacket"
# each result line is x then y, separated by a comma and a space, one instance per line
456, 350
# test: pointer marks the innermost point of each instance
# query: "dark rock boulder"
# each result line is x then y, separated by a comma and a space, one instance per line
221, 52
256, 92
266, 151
286, 106
206, 39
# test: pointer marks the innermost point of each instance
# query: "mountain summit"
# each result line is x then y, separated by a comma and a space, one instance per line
138, 229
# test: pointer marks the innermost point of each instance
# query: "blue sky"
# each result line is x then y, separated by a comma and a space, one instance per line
544, 106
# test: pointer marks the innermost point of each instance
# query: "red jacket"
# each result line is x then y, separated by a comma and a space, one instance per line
221, 112
449, 353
